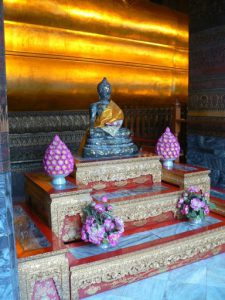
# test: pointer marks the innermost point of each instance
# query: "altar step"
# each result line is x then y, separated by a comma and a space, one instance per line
135, 200
88, 269
141, 203
143, 252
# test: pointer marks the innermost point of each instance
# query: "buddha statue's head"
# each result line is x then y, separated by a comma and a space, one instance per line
104, 90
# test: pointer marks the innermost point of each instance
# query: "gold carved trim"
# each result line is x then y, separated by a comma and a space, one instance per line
117, 170
145, 207
201, 179
159, 257
67, 206
42, 268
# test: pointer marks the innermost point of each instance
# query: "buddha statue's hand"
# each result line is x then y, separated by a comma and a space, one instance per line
92, 113
117, 123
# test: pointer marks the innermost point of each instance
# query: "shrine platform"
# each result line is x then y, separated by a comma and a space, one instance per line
142, 252
135, 200
48, 226
202, 280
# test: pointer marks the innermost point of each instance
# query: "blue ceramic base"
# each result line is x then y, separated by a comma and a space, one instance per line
59, 180
195, 221
168, 163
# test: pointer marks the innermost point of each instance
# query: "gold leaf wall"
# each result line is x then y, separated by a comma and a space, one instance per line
58, 50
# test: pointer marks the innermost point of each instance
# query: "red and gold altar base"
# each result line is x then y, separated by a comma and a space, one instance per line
153, 240
57, 208
119, 169
96, 273
184, 176
144, 251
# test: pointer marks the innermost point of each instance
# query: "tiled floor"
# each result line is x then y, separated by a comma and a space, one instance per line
203, 280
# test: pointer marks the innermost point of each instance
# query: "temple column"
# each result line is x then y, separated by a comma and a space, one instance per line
206, 106
8, 264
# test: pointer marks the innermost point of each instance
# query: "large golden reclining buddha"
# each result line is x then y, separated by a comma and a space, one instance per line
57, 50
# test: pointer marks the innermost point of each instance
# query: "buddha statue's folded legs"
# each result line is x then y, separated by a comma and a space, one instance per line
101, 144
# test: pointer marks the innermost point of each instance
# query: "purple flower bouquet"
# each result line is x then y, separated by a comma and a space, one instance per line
168, 148
194, 204
100, 227
58, 160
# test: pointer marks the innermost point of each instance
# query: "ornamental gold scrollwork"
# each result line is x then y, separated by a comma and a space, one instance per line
200, 180
67, 206
41, 268
172, 178
203, 182
146, 207
119, 170
158, 257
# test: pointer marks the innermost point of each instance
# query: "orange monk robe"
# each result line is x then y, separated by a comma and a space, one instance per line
110, 116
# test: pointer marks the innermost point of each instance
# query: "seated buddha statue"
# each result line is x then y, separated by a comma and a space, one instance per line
106, 137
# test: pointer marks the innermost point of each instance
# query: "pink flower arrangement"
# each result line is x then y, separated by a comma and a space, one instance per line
100, 227
167, 146
58, 159
193, 203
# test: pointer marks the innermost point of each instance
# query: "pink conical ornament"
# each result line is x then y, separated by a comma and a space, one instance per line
167, 146
58, 160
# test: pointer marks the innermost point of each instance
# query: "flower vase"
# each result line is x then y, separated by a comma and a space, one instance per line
59, 180
195, 221
104, 246
168, 163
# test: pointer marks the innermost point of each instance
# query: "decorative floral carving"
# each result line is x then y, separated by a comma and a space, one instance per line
146, 207
200, 179
45, 289
44, 267
117, 170
67, 206
158, 257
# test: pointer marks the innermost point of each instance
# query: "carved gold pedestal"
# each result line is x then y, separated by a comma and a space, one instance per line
144, 207
185, 176
118, 169
43, 267
53, 206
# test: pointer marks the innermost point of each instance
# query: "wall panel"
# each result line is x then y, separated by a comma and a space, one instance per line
206, 130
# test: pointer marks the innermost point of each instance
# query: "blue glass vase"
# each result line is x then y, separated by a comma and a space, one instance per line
104, 246
59, 180
168, 163
195, 221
